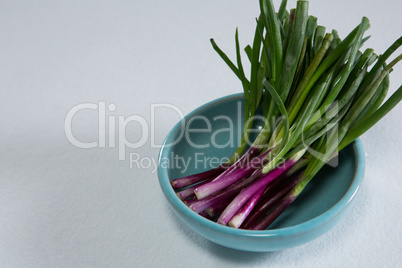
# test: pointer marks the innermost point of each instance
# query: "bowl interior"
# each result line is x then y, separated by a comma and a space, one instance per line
210, 134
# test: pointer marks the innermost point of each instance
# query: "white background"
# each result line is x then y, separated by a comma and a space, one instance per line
62, 206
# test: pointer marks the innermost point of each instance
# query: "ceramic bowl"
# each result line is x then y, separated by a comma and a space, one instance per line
211, 133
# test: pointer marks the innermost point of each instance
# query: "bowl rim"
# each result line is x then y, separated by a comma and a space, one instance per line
304, 227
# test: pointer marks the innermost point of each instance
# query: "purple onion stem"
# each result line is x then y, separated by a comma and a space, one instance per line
192, 179
249, 154
263, 207
234, 189
275, 212
220, 184
245, 210
205, 215
217, 208
248, 192
189, 202
189, 192
252, 152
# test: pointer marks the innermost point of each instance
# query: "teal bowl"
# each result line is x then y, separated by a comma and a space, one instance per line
211, 133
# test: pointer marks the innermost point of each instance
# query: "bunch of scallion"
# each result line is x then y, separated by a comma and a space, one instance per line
320, 91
